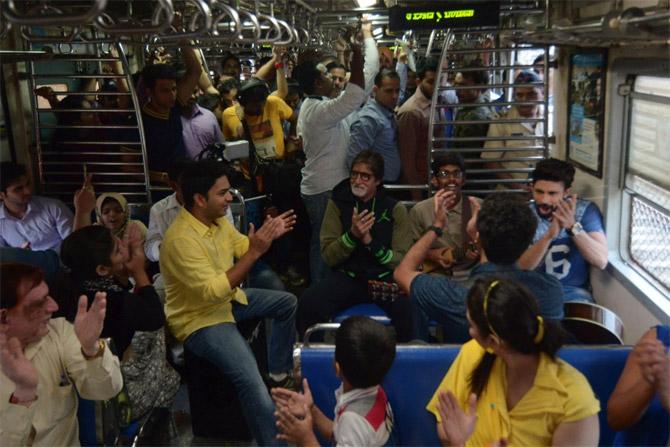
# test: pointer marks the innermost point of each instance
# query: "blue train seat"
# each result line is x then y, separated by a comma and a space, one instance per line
418, 370
367, 309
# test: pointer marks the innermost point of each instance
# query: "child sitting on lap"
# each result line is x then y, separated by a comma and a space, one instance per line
364, 352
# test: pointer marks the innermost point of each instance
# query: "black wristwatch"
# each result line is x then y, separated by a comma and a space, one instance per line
437, 230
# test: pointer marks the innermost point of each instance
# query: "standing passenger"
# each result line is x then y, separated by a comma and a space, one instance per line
325, 137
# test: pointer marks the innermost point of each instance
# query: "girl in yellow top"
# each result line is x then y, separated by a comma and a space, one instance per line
506, 387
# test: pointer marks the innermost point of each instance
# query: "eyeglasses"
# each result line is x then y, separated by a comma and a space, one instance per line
453, 174
362, 175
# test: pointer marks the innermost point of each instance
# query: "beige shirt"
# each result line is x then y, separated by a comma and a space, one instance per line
52, 419
510, 130
422, 215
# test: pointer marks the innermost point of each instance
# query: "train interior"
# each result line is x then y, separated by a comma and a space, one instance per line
611, 56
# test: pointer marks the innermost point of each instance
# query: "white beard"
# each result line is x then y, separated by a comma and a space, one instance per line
359, 191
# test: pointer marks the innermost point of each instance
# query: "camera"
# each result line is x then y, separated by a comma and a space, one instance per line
228, 151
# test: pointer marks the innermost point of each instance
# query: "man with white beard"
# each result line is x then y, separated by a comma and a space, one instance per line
364, 235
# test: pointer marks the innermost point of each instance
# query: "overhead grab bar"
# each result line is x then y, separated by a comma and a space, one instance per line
230, 12
289, 32
255, 27
274, 26
160, 21
194, 31
15, 17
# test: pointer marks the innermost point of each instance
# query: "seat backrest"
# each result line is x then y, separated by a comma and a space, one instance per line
418, 370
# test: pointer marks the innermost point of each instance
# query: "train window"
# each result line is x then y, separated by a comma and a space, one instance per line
647, 184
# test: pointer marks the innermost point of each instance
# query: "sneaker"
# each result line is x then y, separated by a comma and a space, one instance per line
287, 382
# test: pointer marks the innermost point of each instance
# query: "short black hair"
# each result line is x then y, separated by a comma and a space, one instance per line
152, 73
198, 177
333, 65
228, 85
364, 349
450, 158
478, 77
17, 280
85, 249
10, 173
177, 166
527, 77
554, 170
227, 56
253, 90
379, 78
307, 74
425, 65
293, 87
374, 161
506, 227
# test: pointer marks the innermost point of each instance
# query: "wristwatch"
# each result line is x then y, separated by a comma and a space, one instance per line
575, 229
437, 230
99, 353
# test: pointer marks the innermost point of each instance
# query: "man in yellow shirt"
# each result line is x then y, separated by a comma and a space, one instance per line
203, 298
263, 114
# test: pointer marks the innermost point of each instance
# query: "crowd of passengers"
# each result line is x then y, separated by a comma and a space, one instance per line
495, 273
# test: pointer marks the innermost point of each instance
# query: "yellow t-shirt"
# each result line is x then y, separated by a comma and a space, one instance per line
559, 394
266, 129
194, 259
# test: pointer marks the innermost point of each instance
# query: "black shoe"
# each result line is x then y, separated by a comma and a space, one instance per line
293, 277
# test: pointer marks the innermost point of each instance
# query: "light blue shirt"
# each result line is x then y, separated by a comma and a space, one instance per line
199, 131
46, 223
375, 129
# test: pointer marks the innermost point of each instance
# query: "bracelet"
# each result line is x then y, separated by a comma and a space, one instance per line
99, 353
279, 65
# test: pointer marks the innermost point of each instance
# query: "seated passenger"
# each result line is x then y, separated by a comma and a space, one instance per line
34, 222
364, 353
100, 262
506, 385
202, 279
570, 236
363, 236
45, 363
645, 376
504, 228
454, 247
112, 212
525, 130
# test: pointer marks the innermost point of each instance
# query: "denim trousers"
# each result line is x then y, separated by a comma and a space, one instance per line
223, 345
316, 208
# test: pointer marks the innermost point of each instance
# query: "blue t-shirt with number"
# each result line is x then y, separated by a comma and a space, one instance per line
563, 259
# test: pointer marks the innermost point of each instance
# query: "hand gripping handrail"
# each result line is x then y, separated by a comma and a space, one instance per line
255, 27
160, 21
274, 26
289, 31
203, 17
15, 17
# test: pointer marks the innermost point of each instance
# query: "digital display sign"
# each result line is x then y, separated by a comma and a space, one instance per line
445, 15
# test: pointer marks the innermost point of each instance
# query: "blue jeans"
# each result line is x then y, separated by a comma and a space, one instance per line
223, 345
316, 208
574, 293
261, 276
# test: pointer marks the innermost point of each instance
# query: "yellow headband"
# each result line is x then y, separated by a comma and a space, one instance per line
540, 330
486, 305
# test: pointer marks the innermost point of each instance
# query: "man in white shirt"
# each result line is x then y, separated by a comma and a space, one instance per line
325, 136
33, 222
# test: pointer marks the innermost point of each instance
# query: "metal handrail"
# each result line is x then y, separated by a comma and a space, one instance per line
84, 18
274, 27
194, 31
289, 29
226, 11
256, 27
160, 21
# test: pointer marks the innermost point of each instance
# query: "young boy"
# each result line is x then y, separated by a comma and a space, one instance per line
364, 352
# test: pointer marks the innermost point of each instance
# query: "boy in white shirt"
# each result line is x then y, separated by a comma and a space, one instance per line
364, 352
